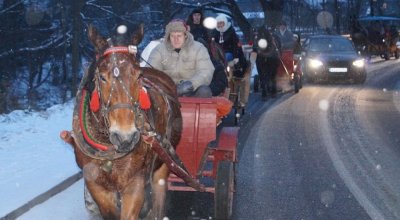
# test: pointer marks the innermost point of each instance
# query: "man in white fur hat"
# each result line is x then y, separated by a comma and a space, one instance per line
225, 35
186, 61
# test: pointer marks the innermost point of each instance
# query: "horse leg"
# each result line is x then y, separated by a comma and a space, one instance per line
132, 199
261, 69
273, 65
245, 87
159, 192
105, 200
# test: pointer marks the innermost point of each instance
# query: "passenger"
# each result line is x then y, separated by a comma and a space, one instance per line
219, 82
225, 35
286, 37
196, 27
185, 60
297, 45
267, 60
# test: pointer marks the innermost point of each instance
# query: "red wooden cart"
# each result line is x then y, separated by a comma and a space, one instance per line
286, 72
206, 153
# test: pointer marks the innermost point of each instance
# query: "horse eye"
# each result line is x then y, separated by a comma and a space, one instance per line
102, 78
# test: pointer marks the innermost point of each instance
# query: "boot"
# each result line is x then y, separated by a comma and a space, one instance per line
263, 95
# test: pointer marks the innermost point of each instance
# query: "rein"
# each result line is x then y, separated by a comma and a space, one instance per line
138, 108
159, 143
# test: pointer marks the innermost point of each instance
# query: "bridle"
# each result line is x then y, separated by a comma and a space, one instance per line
133, 105
143, 117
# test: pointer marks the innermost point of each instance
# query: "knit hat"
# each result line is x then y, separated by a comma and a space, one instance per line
176, 25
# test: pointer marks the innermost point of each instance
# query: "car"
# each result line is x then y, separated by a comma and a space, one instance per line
331, 57
376, 36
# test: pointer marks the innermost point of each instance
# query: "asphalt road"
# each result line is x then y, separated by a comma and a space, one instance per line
331, 151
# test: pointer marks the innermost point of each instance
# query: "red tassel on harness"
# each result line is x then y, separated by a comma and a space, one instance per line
95, 101
144, 99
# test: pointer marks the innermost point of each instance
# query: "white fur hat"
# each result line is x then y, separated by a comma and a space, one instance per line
223, 18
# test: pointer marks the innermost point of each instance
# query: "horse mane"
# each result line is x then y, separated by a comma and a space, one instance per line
88, 80
133, 171
161, 79
163, 85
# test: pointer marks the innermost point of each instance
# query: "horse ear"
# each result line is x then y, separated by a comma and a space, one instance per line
138, 35
98, 41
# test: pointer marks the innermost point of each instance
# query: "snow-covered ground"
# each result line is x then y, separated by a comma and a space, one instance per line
34, 159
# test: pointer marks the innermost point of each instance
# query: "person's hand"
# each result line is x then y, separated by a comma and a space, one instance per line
184, 87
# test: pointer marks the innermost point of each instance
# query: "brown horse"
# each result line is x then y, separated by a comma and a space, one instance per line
118, 107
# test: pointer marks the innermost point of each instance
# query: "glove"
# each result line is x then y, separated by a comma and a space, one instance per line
184, 87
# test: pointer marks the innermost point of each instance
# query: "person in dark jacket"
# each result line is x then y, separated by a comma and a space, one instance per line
225, 35
196, 27
219, 81
267, 46
286, 36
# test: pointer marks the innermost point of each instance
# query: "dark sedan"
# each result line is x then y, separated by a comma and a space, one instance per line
331, 57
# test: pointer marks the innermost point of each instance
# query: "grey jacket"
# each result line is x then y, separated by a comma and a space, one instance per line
192, 63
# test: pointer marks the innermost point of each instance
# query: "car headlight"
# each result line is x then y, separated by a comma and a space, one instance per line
315, 63
359, 63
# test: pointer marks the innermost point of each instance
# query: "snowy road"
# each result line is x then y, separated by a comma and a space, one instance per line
329, 152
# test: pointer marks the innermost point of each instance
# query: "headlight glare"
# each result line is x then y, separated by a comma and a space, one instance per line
315, 63
358, 63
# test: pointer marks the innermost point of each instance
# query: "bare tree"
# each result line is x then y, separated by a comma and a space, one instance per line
273, 11
77, 36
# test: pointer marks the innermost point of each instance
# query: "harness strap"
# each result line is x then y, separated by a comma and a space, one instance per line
167, 98
121, 49
148, 83
168, 156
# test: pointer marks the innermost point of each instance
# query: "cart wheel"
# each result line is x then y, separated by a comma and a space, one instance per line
297, 83
256, 84
224, 188
301, 81
386, 56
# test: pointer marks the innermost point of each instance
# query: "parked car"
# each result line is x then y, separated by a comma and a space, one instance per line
329, 57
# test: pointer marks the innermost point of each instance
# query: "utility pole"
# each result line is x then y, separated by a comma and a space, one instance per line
371, 5
337, 17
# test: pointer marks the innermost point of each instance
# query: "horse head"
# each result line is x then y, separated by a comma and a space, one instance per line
118, 87
121, 110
